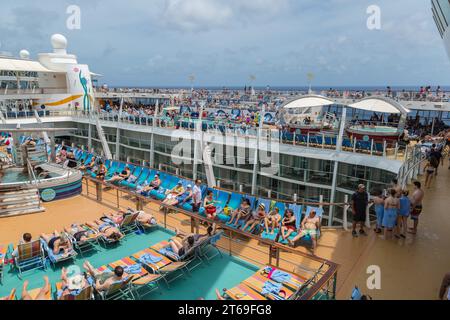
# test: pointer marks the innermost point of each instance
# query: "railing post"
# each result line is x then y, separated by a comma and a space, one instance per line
344, 217
384, 148
371, 147
396, 150
367, 215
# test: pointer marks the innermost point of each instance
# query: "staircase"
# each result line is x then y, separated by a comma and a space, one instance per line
101, 135
14, 202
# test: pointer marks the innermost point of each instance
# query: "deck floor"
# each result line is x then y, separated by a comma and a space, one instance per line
410, 269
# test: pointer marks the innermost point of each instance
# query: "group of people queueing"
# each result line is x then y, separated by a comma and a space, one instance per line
392, 210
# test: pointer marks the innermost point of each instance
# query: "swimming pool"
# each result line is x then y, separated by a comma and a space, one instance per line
18, 175
225, 272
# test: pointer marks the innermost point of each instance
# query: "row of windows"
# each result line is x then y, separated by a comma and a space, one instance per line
441, 14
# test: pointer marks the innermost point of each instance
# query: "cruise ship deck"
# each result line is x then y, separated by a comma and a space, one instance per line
410, 269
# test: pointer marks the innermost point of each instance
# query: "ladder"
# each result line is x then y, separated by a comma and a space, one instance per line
101, 135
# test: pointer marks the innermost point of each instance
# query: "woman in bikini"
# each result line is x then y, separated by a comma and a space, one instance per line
110, 232
288, 224
209, 205
241, 213
258, 216
272, 221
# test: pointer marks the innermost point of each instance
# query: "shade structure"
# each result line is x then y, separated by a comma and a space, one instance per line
380, 104
10, 64
307, 101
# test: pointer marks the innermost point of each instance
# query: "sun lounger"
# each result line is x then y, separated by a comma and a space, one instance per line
30, 256
260, 283
57, 258
86, 293
34, 293
142, 279
3, 250
87, 245
243, 292
120, 290
160, 264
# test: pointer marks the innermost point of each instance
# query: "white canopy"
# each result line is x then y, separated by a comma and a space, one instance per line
308, 101
9, 64
380, 104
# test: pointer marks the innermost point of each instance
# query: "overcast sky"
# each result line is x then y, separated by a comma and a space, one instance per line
223, 42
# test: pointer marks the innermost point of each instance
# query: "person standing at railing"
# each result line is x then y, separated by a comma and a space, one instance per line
360, 200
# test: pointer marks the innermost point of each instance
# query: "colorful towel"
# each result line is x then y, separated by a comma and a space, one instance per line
149, 259
133, 269
270, 287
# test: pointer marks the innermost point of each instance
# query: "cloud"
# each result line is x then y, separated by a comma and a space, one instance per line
206, 15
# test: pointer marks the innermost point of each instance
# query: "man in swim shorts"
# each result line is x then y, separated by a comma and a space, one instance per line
416, 205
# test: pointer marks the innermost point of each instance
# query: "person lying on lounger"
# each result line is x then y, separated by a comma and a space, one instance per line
26, 238
71, 285
101, 171
125, 174
143, 217
310, 227
79, 233
106, 229
257, 217
187, 240
90, 165
153, 185
171, 195
288, 224
43, 292
242, 213
272, 220
184, 197
104, 280
58, 242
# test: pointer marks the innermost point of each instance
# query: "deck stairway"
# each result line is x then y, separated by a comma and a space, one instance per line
17, 201
101, 135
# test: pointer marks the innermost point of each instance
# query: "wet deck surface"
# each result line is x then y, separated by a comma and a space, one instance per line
410, 269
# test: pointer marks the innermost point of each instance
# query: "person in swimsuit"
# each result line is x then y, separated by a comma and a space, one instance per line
391, 207
430, 171
171, 195
288, 224
309, 227
79, 232
101, 171
104, 280
43, 292
241, 213
57, 242
184, 197
272, 221
66, 284
403, 214
110, 232
89, 166
209, 205
183, 246
124, 175
258, 216
378, 201
153, 185
416, 205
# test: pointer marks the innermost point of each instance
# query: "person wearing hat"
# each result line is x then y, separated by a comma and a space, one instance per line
153, 185
72, 284
257, 217
184, 197
171, 195
360, 200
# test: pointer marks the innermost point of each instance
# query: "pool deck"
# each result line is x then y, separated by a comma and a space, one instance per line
410, 269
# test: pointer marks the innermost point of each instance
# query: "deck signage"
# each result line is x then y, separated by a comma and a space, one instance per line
48, 195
